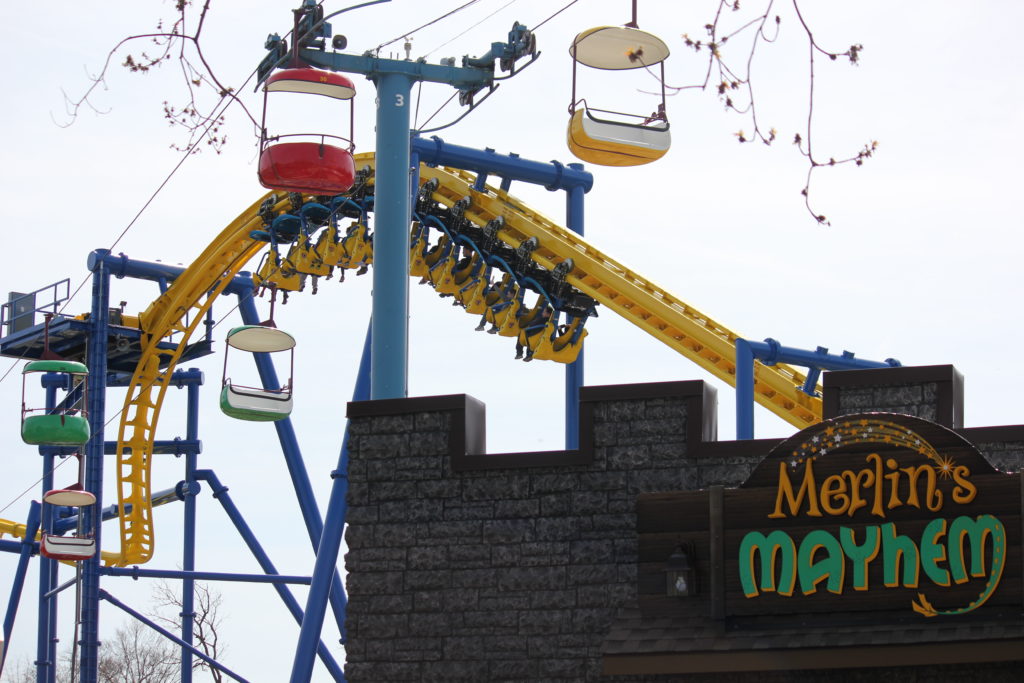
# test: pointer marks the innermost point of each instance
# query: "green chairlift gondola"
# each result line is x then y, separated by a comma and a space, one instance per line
254, 403
67, 426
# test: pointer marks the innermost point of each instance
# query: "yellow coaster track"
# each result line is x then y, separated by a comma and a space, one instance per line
685, 329
179, 310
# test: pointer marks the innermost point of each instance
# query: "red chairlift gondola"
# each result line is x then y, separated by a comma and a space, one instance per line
308, 164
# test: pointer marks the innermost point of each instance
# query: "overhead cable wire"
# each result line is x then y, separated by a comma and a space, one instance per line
34, 484
459, 35
534, 29
429, 23
188, 152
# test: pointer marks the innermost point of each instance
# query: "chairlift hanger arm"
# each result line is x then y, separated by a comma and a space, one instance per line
463, 78
475, 72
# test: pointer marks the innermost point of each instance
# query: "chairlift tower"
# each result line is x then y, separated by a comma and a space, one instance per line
395, 175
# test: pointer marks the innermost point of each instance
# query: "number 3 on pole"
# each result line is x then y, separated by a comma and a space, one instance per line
399, 100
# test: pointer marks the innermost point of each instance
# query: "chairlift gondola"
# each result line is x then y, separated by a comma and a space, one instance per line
306, 162
75, 547
613, 138
65, 425
255, 403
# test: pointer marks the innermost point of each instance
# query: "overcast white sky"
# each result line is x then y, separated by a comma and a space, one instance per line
920, 263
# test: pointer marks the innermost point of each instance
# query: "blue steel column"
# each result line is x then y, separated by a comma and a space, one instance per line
46, 628
188, 560
389, 361
573, 371
744, 390
220, 493
330, 544
27, 545
96, 360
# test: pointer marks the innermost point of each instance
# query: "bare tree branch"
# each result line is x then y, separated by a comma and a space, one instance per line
206, 621
199, 119
729, 82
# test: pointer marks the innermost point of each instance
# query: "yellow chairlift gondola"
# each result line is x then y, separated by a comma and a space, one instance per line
616, 138
255, 403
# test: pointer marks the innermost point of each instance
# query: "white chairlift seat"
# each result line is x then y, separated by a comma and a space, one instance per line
615, 143
253, 403
618, 47
257, 405
73, 548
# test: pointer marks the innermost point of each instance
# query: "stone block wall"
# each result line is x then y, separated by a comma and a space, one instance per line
503, 567
468, 566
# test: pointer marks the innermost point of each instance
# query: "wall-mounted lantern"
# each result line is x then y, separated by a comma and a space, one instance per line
680, 574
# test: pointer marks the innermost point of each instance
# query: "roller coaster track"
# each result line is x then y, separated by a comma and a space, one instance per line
179, 310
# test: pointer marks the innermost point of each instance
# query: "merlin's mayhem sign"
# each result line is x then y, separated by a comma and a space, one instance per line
860, 513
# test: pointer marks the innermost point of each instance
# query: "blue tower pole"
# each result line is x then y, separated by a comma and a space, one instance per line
573, 371
220, 493
46, 627
27, 546
96, 360
744, 390
188, 560
330, 544
389, 361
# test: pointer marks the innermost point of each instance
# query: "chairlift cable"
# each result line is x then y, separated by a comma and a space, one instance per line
534, 29
429, 23
419, 98
459, 35
440, 108
34, 484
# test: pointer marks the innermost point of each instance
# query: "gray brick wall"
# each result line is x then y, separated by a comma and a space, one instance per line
919, 400
517, 572
499, 574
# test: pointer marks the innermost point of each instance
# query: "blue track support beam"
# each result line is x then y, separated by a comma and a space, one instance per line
8, 546
188, 550
389, 368
70, 521
220, 492
160, 447
170, 636
27, 548
744, 390
46, 624
96, 361
553, 176
121, 266
771, 352
293, 455
138, 573
574, 371
330, 544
